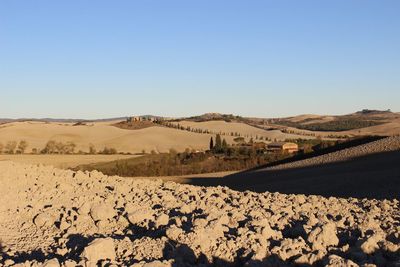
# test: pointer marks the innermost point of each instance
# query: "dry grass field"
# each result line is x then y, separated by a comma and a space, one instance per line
390, 128
385, 129
389, 124
311, 118
105, 134
237, 127
159, 139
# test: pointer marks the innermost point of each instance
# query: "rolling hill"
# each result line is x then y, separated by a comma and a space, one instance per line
378, 122
227, 128
157, 138
104, 133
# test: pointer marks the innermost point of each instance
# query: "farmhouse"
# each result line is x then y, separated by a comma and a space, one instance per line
140, 118
283, 147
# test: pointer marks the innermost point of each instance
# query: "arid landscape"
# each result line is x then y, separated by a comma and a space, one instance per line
199, 133
82, 218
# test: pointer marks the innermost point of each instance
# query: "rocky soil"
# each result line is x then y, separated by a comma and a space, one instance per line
55, 217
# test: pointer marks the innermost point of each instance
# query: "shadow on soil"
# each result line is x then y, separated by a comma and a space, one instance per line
183, 255
373, 176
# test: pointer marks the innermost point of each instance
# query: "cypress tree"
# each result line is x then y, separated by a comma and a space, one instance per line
224, 145
218, 143
211, 143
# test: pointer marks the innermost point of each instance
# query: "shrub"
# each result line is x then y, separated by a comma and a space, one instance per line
173, 152
10, 147
109, 151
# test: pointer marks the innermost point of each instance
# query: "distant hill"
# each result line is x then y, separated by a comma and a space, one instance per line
5, 120
365, 118
373, 111
59, 120
213, 117
364, 122
104, 134
72, 120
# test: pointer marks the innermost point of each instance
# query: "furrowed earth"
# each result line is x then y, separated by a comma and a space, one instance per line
53, 217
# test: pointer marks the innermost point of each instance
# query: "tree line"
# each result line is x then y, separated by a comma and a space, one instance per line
206, 131
52, 147
221, 158
14, 147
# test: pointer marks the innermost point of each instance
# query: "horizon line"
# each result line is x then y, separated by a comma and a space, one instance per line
176, 117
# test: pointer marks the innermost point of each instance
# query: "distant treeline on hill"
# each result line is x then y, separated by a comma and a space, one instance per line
373, 111
176, 125
215, 117
338, 125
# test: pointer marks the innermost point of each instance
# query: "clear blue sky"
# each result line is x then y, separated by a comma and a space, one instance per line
94, 59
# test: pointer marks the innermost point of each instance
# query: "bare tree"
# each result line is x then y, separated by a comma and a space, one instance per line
92, 148
22, 146
1, 148
50, 148
10, 147
69, 148
60, 148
